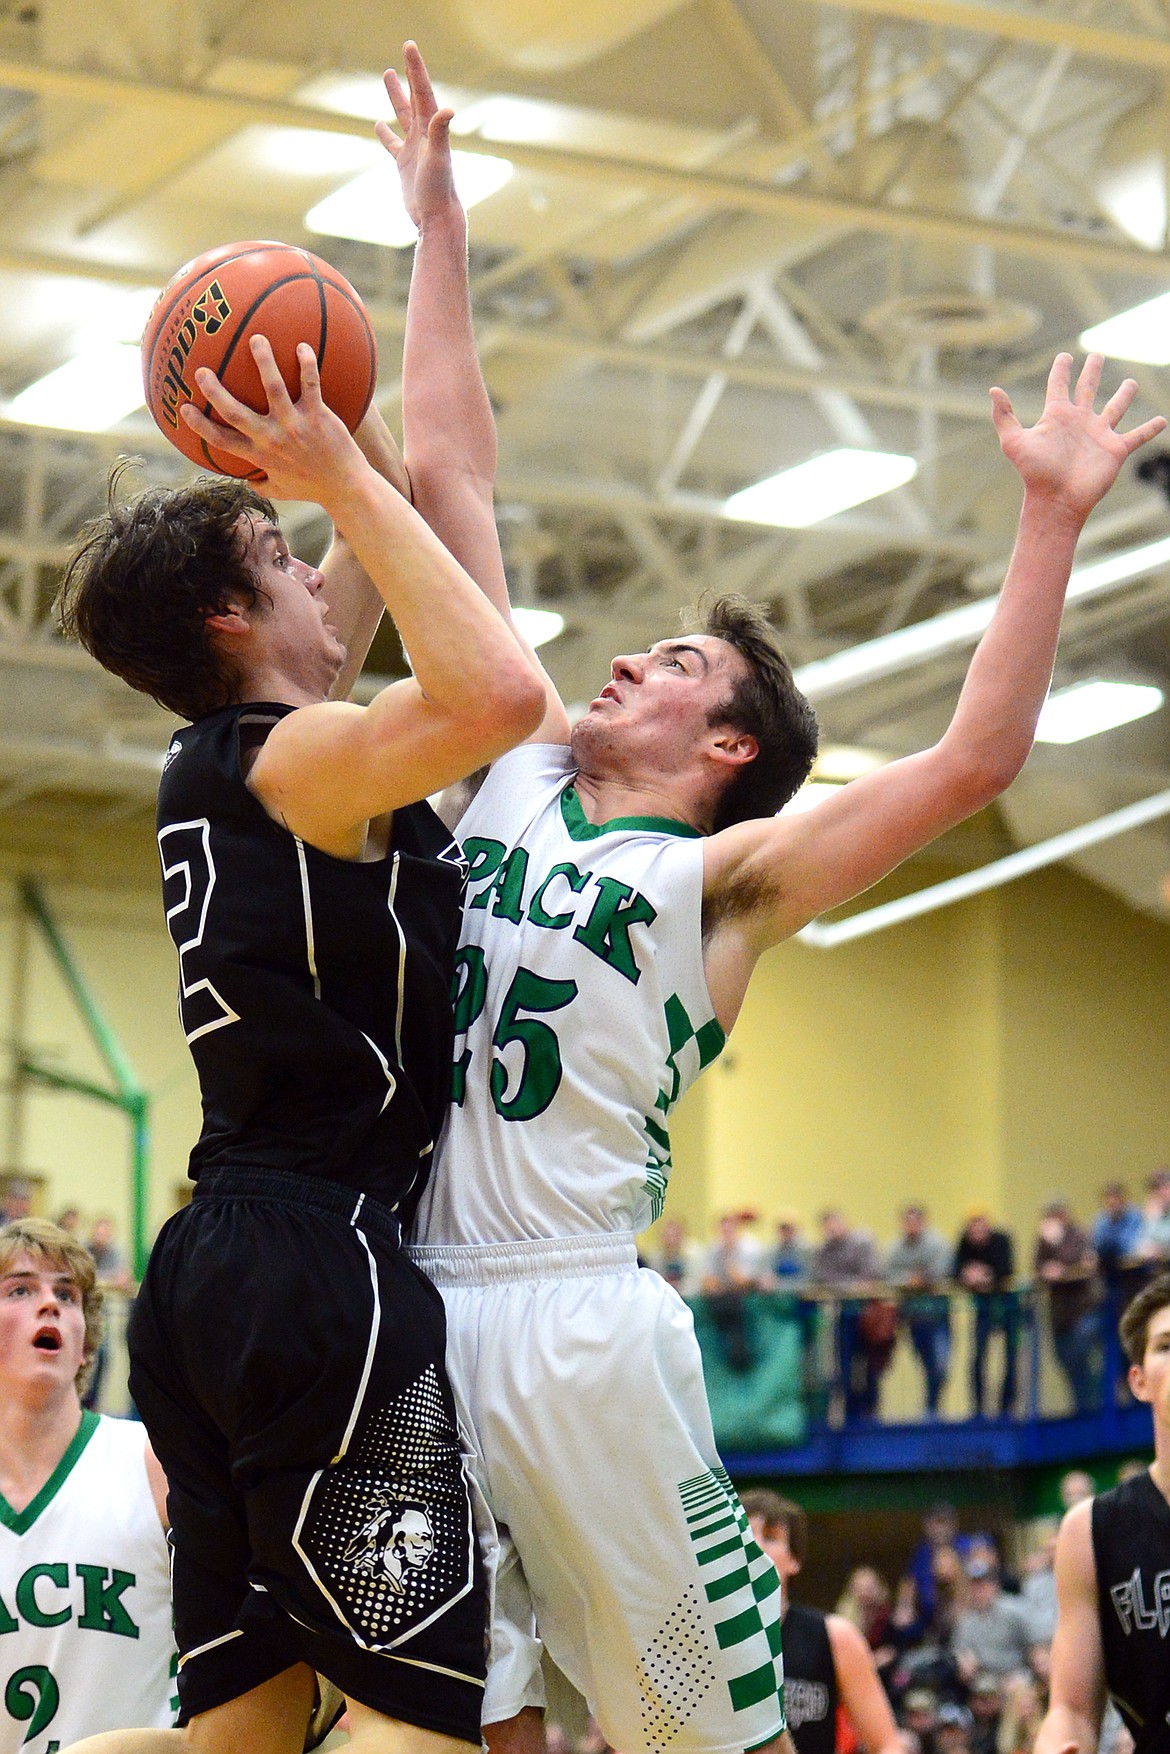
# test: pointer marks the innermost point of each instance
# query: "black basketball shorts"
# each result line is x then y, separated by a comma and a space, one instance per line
287, 1360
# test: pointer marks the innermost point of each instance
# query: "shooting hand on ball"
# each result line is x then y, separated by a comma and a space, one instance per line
301, 447
423, 155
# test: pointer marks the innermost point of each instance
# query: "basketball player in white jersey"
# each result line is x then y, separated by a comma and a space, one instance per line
85, 1598
623, 884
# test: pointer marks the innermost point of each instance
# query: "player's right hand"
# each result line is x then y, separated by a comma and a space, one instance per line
301, 448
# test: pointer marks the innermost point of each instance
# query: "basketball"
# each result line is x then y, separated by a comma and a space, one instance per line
215, 304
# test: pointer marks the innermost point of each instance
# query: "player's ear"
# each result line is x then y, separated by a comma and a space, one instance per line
232, 620
733, 747
1136, 1377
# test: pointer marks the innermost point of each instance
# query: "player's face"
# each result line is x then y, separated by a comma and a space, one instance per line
1150, 1380
297, 633
658, 704
42, 1327
774, 1543
418, 1543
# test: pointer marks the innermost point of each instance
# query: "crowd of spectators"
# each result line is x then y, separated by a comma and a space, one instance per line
1075, 1277
962, 1642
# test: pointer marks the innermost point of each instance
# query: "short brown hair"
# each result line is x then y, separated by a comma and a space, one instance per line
779, 1513
53, 1247
145, 577
766, 703
1135, 1322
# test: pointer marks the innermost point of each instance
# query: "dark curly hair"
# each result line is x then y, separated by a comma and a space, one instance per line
146, 575
766, 703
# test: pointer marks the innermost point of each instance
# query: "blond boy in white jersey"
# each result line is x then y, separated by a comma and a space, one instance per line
85, 1603
624, 884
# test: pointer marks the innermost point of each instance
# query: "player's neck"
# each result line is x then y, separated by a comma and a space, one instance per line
34, 1435
267, 683
1160, 1467
609, 800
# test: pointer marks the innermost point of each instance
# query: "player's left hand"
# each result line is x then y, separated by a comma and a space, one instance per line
1073, 454
423, 154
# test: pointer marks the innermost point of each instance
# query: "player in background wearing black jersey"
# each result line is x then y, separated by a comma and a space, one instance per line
1113, 1574
286, 1357
827, 1663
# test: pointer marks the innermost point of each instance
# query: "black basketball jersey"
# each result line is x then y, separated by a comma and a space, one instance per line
315, 992
1131, 1550
810, 1680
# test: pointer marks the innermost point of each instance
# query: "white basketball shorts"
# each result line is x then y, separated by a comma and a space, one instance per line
580, 1380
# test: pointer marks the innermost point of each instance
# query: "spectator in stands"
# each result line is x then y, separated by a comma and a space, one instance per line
17, 1202
788, 1262
1065, 1262
827, 1662
69, 1220
1078, 1484
1116, 1236
734, 1266
993, 1634
1038, 1586
1155, 1237
952, 1732
676, 1257
919, 1264
985, 1701
919, 1716
846, 1263
112, 1275
940, 1528
985, 1265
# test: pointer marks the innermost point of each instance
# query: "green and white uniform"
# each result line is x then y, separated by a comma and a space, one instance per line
85, 1598
582, 1015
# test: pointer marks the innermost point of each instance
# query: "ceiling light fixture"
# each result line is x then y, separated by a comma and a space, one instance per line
370, 210
92, 391
821, 487
1141, 334
538, 625
1084, 709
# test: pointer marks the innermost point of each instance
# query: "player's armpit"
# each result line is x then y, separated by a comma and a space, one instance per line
325, 771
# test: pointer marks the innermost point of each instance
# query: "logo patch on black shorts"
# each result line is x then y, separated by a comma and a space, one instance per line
387, 1533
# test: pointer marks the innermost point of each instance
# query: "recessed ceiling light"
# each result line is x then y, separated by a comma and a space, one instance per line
370, 207
821, 487
538, 625
94, 390
1086, 708
1141, 334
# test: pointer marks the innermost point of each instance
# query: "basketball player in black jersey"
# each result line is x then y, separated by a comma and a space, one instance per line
286, 1358
1113, 1574
827, 1662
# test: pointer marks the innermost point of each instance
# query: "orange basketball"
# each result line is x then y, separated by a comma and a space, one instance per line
213, 306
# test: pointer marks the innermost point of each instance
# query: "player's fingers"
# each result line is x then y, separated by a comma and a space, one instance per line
275, 388
1141, 435
1089, 381
421, 90
399, 98
1002, 412
388, 138
223, 438
440, 126
310, 376
1119, 401
1059, 377
237, 414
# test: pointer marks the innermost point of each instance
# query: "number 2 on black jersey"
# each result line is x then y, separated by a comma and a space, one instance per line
188, 879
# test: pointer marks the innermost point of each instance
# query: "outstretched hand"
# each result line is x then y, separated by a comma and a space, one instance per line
301, 448
423, 154
1073, 454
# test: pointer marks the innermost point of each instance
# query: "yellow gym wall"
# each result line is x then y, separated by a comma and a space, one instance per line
1009, 1047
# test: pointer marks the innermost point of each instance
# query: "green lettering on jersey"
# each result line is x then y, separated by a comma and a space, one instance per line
536, 908
507, 887
607, 930
103, 1610
7, 1623
483, 857
27, 1605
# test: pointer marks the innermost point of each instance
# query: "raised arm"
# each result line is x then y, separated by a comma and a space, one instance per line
329, 768
449, 431
355, 605
860, 1690
1076, 1698
795, 867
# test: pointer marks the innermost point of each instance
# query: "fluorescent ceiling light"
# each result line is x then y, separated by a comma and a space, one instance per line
812, 793
1086, 708
313, 152
1141, 334
840, 762
538, 625
370, 207
821, 487
90, 392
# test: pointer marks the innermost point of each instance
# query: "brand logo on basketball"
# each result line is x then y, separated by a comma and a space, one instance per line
209, 313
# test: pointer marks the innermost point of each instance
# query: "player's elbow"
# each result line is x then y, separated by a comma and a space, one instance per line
978, 772
511, 705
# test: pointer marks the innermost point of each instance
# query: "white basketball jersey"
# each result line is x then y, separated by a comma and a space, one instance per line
85, 1599
582, 1013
